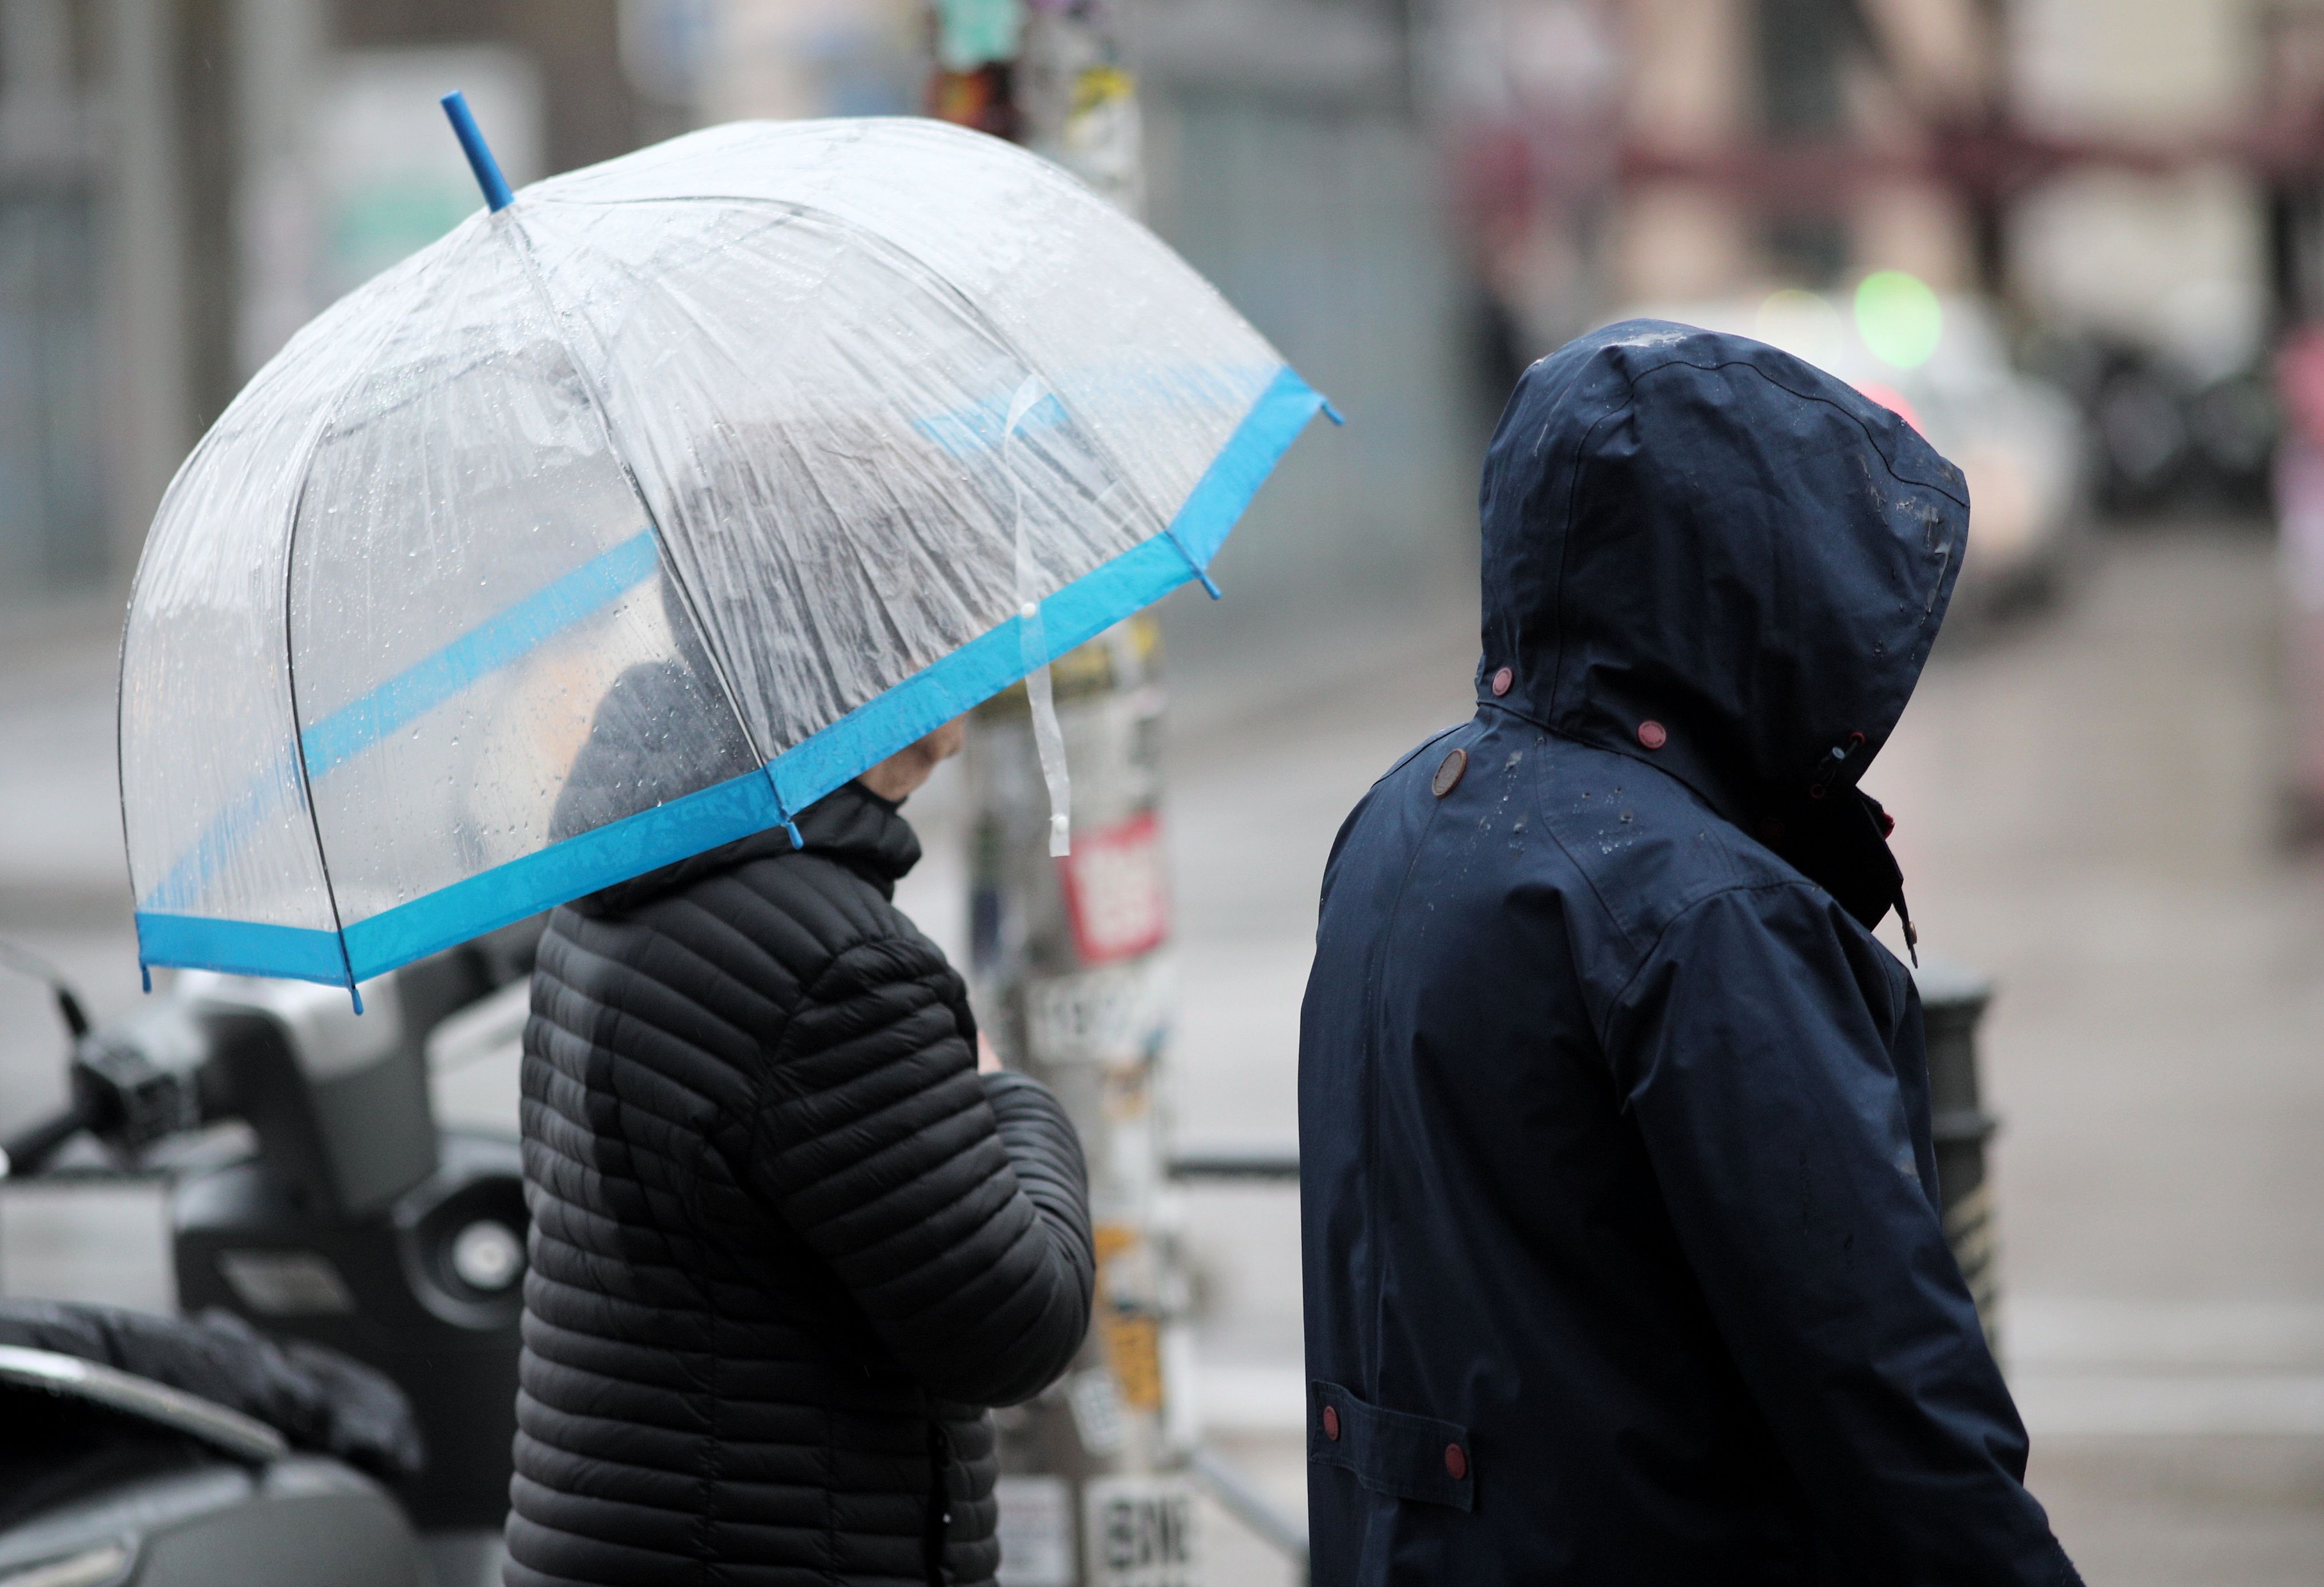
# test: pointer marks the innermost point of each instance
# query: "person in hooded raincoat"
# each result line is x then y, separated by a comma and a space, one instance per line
1623, 1259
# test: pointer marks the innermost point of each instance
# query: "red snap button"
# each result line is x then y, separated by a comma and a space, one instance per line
1456, 1461
1501, 681
1653, 735
1332, 1422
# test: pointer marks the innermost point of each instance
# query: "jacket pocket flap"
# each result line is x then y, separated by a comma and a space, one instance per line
1391, 1451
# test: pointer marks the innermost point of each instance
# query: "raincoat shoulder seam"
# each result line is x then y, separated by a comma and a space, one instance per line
1416, 751
1590, 879
1597, 893
1646, 958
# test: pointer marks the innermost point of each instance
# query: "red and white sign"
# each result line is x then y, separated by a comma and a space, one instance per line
1117, 893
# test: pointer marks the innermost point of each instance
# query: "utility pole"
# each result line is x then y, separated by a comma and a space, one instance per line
148, 355
280, 49
1070, 958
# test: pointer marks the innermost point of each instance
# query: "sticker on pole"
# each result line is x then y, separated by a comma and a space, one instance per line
1117, 1015
1117, 892
1139, 1532
1036, 1531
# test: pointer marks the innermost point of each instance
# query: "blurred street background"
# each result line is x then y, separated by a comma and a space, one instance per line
2079, 243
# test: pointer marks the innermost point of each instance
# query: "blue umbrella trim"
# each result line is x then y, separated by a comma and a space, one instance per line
523, 628
792, 781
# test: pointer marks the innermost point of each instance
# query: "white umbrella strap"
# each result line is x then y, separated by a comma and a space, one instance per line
1048, 738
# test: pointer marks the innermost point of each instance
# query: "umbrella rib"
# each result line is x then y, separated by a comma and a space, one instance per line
520, 245
944, 287
208, 843
315, 438
975, 312
658, 284
804, 610
928, 564
855, 552
935, 282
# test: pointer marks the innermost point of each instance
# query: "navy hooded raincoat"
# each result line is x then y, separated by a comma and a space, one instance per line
1622, 1250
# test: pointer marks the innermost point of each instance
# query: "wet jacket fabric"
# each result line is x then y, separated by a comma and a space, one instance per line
787, 1243
1623, 1256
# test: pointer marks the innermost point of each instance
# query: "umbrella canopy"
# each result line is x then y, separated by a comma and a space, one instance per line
771, 447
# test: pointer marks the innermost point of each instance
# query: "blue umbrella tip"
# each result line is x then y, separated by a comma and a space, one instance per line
479, 152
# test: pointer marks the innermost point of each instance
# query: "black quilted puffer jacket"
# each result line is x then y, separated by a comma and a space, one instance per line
787, 1242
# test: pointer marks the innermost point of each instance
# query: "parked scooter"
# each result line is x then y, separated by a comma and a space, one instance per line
353, 1221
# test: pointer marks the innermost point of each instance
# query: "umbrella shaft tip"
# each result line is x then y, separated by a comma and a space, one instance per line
479, 152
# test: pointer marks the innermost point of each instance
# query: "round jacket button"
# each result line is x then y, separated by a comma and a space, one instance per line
1501, 681
1651, 735
1332, 1422
1456, 1461
1448, 773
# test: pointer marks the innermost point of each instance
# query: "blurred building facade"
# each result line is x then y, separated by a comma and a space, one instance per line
2105, 164
184, 182
50, 508
1411, 197
1285, 155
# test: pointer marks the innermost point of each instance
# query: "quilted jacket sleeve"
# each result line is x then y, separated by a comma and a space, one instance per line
954, 1207
1754, 1051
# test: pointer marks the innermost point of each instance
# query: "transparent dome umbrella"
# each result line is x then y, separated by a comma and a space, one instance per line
643, 511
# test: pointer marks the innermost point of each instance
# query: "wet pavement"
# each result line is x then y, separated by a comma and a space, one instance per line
2086, 806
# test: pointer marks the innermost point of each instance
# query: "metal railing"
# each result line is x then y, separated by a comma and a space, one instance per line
1236, 1492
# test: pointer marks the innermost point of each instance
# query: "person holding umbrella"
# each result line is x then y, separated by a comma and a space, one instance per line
632, 550
789, 1241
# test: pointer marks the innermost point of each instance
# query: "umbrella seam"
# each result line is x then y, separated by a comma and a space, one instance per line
520, 245
946, 288
314, 443
917, 271
137, 582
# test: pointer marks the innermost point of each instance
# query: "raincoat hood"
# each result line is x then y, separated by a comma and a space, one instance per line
1708, 555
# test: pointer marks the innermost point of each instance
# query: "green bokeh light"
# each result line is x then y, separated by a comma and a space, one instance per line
1899, 318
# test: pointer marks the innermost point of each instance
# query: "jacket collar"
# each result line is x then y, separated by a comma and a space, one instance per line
853, 826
